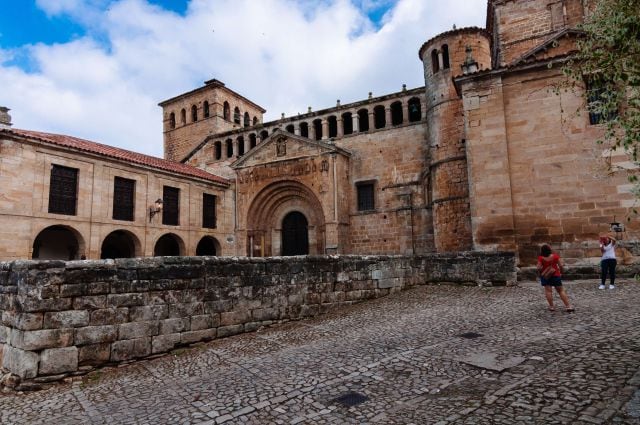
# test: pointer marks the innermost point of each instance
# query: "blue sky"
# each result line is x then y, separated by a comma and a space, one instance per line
98, 68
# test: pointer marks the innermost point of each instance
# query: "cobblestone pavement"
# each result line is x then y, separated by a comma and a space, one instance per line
399, 360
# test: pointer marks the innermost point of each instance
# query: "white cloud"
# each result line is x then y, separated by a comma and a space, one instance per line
283, 54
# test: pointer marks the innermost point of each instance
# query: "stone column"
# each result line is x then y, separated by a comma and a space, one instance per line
405, 112
235, 148
372, 120
356, 122
325, 129
312, 131
440, 60
340, 126
296, 129
387, 116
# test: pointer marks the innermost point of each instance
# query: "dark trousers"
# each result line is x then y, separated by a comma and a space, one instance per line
608, 266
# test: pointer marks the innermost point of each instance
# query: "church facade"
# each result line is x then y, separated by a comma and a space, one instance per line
486, 156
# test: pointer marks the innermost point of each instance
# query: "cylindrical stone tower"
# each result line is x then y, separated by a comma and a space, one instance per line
448, 186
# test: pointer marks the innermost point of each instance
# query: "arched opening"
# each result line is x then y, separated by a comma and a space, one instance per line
317, 128
263, 135
240, 141
295, 234
236, 115
396, 113
205, 109
229, 146
168, 245
304, 129
255, 121
347, 123
119, 244
247, 120
273, 130
218, 150
333, 126
290, 128
253, 140
435, 64
445, 57
194, 113
58, 243
172, 120
208, 246
363, 119
226, 111
378, 117
415, 110
183, 117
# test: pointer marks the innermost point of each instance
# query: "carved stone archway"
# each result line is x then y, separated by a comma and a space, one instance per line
268, 210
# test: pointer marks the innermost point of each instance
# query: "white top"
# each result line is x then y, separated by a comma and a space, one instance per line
609, 251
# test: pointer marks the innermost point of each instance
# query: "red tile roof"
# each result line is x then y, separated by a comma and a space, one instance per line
117, 153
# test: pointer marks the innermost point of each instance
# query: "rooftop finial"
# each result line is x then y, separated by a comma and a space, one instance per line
5, 118
470, 65
454, 27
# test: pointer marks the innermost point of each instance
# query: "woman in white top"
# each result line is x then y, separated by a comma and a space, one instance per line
608, 262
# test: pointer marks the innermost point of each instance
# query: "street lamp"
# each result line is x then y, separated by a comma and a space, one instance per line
155, 209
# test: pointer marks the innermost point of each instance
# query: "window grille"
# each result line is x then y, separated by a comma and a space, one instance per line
365, 197
63, 190
123, 198
170, 206
208, 211
599, 101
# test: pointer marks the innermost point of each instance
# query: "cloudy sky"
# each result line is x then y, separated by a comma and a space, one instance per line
97, 69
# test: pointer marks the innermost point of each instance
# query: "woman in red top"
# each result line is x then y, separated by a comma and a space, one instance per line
550, 268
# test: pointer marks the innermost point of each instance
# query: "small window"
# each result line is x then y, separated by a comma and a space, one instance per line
365, 197
63, 190
252, 140
255, 121
170, 206
208, 211
379, 118
317, 128
205, 109
333, 126
601, 102
172, 120
396, 113
229, 145
347, 123
290, 128
123, 198
240, 141
435, 64
226, 111
194, 113
415, 110
183, 117
263, 135
363, 118
445, 57
236, 115
218, 148
304, 129
247, 119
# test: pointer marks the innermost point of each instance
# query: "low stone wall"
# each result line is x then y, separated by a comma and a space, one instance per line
582, 272
61, 318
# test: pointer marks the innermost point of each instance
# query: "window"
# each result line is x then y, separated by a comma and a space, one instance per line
263, 135
229, 144
183, 116
347, 123
255, 121
226, 111
172, 120
365, 197
240, 141
317, 128
208, 211
601, 102
435, 64
396, 113
304, 129
363, 118
379, 119
170, 206
415, 112
252, 140
333, 126
205, 109
445, 57
236, 115
194, 113
123, 198
218, 149
290, 128
63, 190
247, 120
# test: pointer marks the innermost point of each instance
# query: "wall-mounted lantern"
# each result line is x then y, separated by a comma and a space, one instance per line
616, 227
155, 209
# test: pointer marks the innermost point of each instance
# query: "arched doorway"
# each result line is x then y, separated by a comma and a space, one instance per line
208, 246
58, 243
119, 244
168, 245
295, 234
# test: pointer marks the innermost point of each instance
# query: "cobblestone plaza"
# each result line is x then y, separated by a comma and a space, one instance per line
439, 354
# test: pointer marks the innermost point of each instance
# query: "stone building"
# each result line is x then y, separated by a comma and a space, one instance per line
486, 156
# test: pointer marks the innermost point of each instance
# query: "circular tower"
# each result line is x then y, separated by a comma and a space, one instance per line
443, 58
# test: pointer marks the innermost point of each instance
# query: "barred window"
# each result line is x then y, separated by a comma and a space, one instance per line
123, 198
63, 190
365, 197
601, 102
208, 211
170, 206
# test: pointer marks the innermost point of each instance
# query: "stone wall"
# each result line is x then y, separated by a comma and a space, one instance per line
61, 318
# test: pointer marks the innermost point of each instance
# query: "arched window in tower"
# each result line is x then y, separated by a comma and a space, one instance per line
172, 120
236, 115
378, 117
226, 111
435, 63
333, 126
445, 57
218, 150
415, 110
253, 140
247, 120
263, 135
363, 118
317, 128
240, 141
304, 129
183, 117
347, 123
290, 128
396, 113
255, 121
205, 109
194, 113
229, 145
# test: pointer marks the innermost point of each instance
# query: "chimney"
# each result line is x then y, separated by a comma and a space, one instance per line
5, 118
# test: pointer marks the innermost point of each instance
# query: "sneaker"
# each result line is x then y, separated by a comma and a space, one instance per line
601, 287
612, 287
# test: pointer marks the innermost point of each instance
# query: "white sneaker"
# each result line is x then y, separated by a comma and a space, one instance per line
601, 287
612, 287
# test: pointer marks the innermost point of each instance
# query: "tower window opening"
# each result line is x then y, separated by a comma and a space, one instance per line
347, 123
304, 129
236, 115
379, 117
290, 128
247, 120
396, 113
445, 57
252, 140
415, 111
435, 63
183, 117
255, 121
240, 141
363, 118
226, 111
205, 109
317, 127
229, 144
194, 113
218, 150
263, 135
333, 126
172, 120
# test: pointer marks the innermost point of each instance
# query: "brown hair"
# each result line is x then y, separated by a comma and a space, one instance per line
545, 250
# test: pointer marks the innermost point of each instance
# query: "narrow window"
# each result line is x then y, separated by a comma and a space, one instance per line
601, 102
170, 206
304, 129
379, 117
247, 120
396, 113
252, 140
226, 111
194, 113
415, 110
123, 198
172, 120
205, 109
365, 197
63, 190
263, 135
218, 146
333, 126
208, 211
240, 141
183, 117
290, 128
317, 127
435, 64
363, 117
236, 115
445, 57
229, 144
255, 121
347, 123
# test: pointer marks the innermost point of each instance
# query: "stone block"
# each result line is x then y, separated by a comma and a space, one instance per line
137, 330
91, 302
58, 360
130, 349
170, 326
109, 316
262, 314
200, 322
39, 339
96, 334
20, 362
217, 306
148, 312
4, 334
164, 343
66, 319
196, 336
30, 304
185, 309
235, 317
94, 354
125, 300
22, 321
225, 331
389, 283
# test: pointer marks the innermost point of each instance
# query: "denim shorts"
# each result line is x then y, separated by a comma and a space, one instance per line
551, 281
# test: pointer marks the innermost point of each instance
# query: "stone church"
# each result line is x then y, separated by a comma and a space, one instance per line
486, 156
